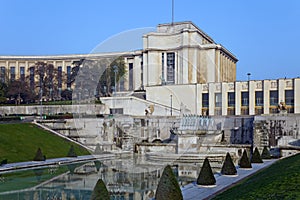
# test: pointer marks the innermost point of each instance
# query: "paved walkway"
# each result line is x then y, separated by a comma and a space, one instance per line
54, 161
192, 191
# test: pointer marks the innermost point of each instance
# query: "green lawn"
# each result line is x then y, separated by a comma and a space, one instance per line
280, 181
19, 142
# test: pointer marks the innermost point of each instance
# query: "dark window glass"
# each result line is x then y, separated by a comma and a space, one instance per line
245, 99
231, 99
289, 97
259, 98
171, 68
205, 100
273, 98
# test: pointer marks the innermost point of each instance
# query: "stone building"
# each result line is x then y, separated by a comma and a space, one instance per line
180, 69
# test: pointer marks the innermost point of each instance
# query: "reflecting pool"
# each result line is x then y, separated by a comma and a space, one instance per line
129, 177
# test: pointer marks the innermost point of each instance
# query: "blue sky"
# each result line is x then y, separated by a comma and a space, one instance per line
264, 35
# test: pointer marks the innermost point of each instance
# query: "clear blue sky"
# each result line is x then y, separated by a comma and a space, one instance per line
263, 34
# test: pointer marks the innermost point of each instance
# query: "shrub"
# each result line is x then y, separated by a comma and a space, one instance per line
98, 150
265, 153
71, 152
228, 167
256, 157
100, 191
98, 165
168, 187
3, 162
206, 176
39, 156
245, 162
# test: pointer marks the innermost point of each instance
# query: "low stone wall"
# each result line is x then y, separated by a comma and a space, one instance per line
54, 109
143, 148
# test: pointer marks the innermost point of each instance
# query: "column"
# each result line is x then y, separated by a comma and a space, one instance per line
266, 91
297, 95
199, 99
281, 86
238, 87
224, 90
251, 92
211, 98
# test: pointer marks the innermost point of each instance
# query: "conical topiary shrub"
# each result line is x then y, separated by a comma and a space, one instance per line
97, 165
71, 152
168, 187
100, 191
206, 176
245, 162
256, 157
39, 156
265, 153
98, 150
228, 167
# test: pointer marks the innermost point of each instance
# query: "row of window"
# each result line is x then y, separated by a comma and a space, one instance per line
12, 75
259, 99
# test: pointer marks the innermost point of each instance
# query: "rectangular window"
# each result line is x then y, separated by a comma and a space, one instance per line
205, 100
59, 76
171, 68
69, 77
130, 76
245, 99
31, 77
259, 98
273, 98
289, 97
218, 100
12, 73
2, 74
231, 99
22, 74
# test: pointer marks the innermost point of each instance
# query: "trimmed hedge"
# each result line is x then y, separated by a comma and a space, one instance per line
72, 152
39, 156
100, 191
265, 153
256, 157
228, 167
245, 162
206, 176
168, 187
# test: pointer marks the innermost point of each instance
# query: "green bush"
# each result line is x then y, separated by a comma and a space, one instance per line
72, 152
98, 150
168, 187
206, 176
100, 191
228, 167
3, 162
39, 156
265, 153
256, 157
245, 162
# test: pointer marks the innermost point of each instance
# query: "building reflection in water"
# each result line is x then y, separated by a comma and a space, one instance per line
126, 178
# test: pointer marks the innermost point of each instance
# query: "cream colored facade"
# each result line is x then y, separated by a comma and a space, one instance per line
233, 98
182, 68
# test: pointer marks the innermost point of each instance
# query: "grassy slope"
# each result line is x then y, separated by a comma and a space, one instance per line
19, 142
280, 181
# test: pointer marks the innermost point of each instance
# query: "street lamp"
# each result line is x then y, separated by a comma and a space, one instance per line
171, 103
115, 71
248, 74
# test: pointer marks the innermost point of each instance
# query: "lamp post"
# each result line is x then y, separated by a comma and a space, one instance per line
115, 71
248, 74
171, 103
